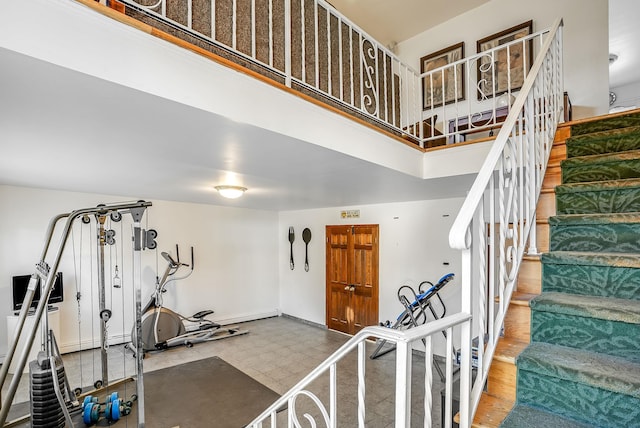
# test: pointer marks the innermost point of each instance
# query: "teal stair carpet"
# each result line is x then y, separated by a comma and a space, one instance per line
582, 368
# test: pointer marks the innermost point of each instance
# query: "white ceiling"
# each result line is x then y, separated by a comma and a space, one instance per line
391, 22
624, 41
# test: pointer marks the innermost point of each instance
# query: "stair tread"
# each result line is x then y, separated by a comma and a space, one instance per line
522, 299
594, 186
627, 260
602, 135
601, 158
610, 373
530, 417
606, 123
597, 218
508, 349
597, 307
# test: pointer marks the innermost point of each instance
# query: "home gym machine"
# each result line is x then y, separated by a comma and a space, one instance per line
416, 305
163, 328
52, 399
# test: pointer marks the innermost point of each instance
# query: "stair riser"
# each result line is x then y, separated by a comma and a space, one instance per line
529, 277
577, 401
609, 238
604, 281
552, 178
618, 200
557, 155
517, 323
546, 206
591, 334
542, 237
601, 172
502, 380
618, 143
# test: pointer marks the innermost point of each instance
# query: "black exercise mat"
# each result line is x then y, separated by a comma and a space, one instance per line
204, 393
207, 393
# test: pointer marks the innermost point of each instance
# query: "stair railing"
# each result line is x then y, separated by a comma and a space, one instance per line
403, 341
498, 216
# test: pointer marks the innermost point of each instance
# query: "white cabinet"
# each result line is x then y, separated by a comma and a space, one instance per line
12, 322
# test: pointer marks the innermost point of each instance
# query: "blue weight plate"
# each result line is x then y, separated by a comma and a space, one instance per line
115, 409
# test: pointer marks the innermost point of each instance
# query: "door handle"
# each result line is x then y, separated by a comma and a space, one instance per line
352, 289
346, 288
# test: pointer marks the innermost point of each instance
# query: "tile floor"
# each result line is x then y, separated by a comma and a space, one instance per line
278, 352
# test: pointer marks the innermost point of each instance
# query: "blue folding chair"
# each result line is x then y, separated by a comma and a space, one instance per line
417, 307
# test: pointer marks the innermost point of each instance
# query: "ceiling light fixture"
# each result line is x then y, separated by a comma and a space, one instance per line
231, 192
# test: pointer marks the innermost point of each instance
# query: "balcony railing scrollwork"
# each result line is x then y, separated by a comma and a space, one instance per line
308, 44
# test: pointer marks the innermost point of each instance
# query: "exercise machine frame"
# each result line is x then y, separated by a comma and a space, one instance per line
177, 329
416, 305
142, 239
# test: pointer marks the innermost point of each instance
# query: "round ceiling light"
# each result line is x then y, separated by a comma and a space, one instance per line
231, 192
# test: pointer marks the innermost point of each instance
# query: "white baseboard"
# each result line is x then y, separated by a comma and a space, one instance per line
66, 348
119, 339
247, 317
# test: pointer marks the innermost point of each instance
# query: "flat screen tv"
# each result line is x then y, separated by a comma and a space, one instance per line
20, 284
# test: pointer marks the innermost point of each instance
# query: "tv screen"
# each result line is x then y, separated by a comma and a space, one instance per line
20, 284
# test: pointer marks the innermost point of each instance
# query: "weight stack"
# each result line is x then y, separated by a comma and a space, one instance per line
45, 408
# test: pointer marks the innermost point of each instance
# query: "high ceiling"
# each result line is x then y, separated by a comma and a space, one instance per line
390, 22
58, 130
624, 38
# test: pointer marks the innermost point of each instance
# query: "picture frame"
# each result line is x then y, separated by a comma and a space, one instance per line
434, 93
509, 63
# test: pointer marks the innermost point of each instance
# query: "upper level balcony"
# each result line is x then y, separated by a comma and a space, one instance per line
306, 73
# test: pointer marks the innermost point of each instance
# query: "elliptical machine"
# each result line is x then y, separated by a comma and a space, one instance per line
163, 328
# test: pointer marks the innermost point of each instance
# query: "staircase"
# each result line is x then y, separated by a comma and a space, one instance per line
582, 367
579, 303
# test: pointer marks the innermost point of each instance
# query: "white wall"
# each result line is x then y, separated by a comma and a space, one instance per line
586, 42
413, 248
236, 259
627, 96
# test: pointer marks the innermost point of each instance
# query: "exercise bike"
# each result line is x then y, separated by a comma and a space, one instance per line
162, 328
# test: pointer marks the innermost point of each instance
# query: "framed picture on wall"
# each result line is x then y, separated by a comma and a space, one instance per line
444, 86
503, 69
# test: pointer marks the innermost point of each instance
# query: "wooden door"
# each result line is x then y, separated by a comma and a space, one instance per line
352, 277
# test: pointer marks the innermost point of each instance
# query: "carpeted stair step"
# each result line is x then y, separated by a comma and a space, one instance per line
616, 196
596, 274
588, 387
597, 143
599, 324
616, 122
530, 417
610, 166
609, 233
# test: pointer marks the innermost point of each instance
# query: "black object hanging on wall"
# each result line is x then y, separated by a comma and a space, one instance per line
306, 237
292, 237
